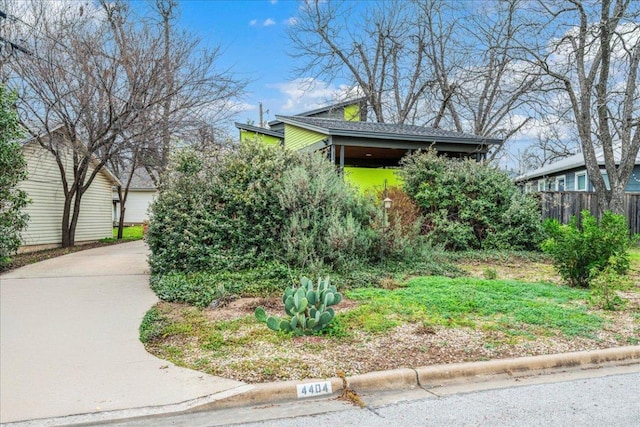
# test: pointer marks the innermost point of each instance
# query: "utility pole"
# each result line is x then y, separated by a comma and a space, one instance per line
261, 116
7, 47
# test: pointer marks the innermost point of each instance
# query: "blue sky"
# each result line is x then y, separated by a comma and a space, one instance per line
255, 44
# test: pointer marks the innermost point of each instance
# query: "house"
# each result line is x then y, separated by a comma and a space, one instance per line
44, 188
368, 153
570, 174
142, 191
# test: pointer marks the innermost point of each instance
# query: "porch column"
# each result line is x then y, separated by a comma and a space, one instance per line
341, 158
333, 154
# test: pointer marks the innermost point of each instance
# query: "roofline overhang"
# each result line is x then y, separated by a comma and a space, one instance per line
251, 128
388, 135
323, 109
414, 145
552, 171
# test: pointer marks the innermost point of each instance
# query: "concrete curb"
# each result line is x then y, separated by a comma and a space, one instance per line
584, 359
430, 376
397, 379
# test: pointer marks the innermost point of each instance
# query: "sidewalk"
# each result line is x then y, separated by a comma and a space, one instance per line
69, 339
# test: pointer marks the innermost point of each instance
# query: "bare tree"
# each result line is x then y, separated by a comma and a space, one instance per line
381, 50
495, 92
591, 50
98, 78
551, 145
425, 61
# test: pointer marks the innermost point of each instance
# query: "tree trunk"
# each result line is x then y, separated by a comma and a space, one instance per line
67, 240
122, 198
121, 220
616, 201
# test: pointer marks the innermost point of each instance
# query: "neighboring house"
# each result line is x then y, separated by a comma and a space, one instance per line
142, 191
367, 152
44, 187
570, 174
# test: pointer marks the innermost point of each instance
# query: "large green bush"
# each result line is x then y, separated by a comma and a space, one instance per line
327, 222
13, 170
257, 204
470, 205
580, 252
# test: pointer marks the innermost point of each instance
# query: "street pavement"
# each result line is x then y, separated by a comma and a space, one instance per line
69, 339
589, 402
606, 396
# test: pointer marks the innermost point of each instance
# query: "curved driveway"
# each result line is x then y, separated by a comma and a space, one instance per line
69, 339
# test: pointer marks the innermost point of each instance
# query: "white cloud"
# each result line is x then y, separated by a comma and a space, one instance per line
291, 21
308, 93
253, 22
268, 22
273, 1
240, 107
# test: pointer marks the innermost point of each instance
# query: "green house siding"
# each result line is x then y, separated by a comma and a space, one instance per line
352, 113
246, 135
297, 138
372, 179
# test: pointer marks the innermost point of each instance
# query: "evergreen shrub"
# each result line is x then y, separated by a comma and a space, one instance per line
470, 205
581, 252
258, 204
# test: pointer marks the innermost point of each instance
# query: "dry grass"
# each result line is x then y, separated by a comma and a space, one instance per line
229, 342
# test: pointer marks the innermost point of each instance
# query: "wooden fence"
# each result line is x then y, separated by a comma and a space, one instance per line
562, 205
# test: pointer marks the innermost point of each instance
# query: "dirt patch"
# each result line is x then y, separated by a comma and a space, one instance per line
254, 354
532, 272
246, 306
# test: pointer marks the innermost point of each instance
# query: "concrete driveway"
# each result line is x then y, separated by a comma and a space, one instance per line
69, 339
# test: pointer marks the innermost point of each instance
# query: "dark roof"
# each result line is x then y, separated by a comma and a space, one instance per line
384, 130
323, 109
331, 107
571, 162
258, 129
139, 181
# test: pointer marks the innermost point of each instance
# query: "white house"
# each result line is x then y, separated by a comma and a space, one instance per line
142, 192
44, 187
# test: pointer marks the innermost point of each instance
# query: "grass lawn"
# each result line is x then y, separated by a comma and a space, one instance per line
128, 233
415, 322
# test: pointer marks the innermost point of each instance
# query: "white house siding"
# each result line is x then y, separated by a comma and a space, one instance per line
137, 206
44, 187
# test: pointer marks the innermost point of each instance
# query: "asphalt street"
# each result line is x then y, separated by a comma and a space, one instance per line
602, 397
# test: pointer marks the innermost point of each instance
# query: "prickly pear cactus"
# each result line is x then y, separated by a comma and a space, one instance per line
308, 308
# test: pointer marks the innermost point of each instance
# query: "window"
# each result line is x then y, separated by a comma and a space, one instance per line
541, 185
560, 183
606, 179
529, 187
581, 181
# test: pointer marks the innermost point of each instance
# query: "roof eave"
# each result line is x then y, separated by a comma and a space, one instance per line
251, 128
404, 137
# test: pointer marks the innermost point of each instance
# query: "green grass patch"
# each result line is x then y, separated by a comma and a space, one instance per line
201, 288
128, 233
512, 307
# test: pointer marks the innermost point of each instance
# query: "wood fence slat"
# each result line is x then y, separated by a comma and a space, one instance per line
562, 205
